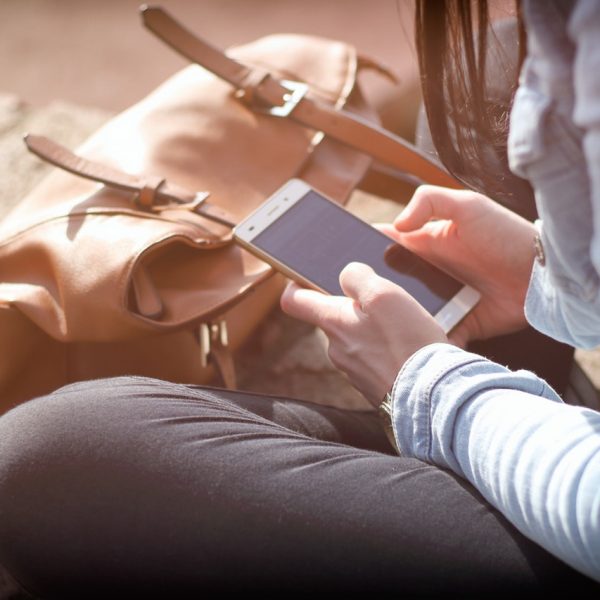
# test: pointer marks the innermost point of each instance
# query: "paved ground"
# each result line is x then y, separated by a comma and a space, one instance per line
96, 53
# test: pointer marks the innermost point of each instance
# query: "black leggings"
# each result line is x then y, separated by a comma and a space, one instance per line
148, 487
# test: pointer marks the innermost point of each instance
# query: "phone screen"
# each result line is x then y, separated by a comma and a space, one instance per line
317, 239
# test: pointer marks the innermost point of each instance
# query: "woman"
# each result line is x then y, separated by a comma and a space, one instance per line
531, 456
138, 485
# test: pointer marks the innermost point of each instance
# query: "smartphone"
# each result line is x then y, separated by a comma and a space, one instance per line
311, 239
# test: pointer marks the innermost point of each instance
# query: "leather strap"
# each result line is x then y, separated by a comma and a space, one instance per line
345, 127
222, 357
152, 193
214, 347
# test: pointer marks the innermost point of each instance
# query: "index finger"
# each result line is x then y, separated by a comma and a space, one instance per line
311, 306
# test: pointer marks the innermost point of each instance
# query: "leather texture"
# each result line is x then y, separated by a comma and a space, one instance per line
118, 269
151, 193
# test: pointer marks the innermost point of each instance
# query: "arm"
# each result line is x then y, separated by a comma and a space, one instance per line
534, 458
554, 142
376, 326
458, 410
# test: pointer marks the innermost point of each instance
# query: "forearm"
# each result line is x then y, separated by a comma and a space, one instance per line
530, 455
554, 142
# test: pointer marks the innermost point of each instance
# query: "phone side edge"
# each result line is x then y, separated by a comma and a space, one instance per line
457, 308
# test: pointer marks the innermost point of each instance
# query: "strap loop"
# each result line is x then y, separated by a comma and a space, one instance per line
214, 345
249, 84
151, 192
146, 197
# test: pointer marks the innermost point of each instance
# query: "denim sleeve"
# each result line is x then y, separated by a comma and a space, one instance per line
534, 458
555, 143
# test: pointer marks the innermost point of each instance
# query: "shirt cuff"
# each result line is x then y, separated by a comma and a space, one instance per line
560, 308
433, 386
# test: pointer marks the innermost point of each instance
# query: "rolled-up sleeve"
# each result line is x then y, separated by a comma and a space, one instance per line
533, 457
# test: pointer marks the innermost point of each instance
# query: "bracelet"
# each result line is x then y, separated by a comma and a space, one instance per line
538, 246
540, 255
386, 413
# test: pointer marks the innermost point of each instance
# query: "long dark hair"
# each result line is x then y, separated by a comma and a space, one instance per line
469, 128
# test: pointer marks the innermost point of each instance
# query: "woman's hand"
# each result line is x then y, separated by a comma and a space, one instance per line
377, 326
479, 242
372, 331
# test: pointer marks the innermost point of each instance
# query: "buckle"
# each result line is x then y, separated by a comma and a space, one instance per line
297, 91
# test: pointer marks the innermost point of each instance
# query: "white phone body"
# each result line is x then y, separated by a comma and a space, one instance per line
311, 238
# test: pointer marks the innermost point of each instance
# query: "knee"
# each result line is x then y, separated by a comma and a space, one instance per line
37, 439
56, 454
65, 441
29, 436
75, 465
43, 429
46, 441
58, 428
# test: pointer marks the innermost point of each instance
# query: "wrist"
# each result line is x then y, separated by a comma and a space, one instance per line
386, 407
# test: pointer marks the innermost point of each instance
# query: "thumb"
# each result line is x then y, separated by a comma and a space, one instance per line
360, 282
389, 230
429, 202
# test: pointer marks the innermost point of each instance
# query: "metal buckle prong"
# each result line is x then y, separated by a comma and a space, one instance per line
296, 91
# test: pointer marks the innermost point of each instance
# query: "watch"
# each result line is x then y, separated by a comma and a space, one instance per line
386, 413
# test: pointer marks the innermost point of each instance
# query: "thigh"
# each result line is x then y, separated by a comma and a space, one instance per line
357, 428
147, 487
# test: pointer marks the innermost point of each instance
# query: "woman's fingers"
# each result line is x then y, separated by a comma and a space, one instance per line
389, 230
309, 305
372, 330
368, 290
357, 281
429, 202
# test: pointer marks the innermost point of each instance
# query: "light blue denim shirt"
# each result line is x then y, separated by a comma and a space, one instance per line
554, 142
533, 457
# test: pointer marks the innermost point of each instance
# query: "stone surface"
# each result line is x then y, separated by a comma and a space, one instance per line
19, 170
